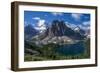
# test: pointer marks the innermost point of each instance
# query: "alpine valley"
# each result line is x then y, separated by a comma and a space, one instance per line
58, 41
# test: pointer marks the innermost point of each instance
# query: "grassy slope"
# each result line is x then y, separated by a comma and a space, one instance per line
47, 53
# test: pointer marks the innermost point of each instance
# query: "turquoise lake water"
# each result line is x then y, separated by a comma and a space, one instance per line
71, 49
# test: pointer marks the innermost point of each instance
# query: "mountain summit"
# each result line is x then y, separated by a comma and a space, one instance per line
59, 28
58, 32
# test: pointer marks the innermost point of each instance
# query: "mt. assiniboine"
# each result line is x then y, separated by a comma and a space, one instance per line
58, 32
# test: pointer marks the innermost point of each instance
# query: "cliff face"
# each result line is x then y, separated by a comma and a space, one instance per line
58, 32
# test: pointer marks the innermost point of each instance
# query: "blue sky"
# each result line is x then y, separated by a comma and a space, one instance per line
40, 19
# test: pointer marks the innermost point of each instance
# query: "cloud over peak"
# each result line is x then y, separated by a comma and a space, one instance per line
76, 16
40, 25
36, 18
56, 13
86, 23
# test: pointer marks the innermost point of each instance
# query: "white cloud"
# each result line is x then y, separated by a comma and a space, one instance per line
40, 25
57, 13
86, 23
84, 27
36, 18
41, 22
40, 29
76, 16
26, 23
66, 22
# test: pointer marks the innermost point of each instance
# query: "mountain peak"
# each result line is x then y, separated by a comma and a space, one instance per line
29, 31
59, 29
59, 32
77, 28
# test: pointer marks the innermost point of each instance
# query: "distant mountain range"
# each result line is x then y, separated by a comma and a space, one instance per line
29, 31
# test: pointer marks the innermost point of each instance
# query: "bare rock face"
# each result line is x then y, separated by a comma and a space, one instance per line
58, 32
